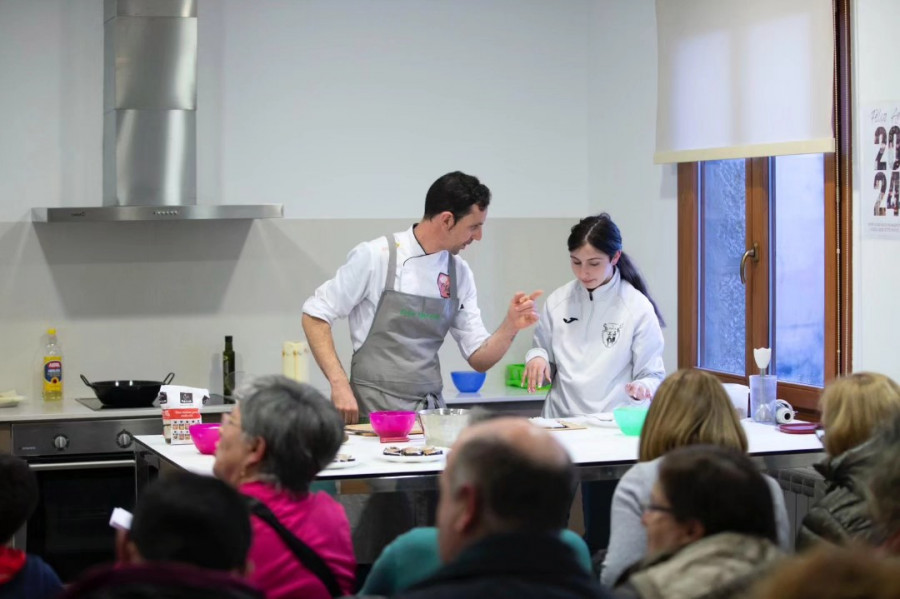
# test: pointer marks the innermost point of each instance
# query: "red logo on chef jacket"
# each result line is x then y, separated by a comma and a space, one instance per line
444, 285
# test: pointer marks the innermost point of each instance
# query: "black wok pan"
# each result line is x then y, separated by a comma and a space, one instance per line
127, 394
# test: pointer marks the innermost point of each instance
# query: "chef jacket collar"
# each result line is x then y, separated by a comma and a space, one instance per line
415, 248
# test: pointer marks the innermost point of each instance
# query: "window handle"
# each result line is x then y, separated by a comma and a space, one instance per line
751, 253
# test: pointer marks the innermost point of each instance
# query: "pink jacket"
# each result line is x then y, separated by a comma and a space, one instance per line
316, 519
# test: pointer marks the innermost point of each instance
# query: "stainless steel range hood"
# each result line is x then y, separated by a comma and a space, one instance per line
150, 120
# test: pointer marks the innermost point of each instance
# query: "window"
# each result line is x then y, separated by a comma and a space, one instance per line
757, 258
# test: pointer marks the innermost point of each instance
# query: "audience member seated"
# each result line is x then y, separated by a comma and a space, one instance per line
504, 495
415, 555
852, 407
277, 438
710, 527
690, 407
884, 487
21, 574
189, 537
833, 572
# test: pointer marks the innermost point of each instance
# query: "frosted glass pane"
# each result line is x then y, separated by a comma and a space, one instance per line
722, 242
800, 269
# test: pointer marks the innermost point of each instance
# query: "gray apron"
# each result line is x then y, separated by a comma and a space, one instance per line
397, 366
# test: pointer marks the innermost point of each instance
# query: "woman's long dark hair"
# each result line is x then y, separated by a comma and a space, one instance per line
604, 236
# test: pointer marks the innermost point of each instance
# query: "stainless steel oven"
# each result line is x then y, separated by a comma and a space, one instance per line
84, 469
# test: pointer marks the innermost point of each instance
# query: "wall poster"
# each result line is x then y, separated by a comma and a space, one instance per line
880, 185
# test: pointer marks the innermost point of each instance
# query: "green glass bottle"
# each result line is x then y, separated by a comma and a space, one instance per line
228, 368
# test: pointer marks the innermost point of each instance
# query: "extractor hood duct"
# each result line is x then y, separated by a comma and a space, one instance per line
150, 120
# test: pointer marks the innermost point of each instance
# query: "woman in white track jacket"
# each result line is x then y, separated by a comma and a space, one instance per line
600, 333
599, 340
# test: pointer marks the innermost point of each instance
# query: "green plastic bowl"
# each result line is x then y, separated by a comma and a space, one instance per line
631, 419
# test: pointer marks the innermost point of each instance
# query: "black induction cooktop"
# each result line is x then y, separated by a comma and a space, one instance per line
93, 403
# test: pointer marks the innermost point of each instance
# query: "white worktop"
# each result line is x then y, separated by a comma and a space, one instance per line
37, 410
597, 444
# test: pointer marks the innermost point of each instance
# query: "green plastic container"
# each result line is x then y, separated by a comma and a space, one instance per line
514, 376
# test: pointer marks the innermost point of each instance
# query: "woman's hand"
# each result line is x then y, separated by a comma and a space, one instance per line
638, 391
536, 372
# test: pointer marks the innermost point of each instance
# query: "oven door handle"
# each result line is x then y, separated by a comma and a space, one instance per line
82, 465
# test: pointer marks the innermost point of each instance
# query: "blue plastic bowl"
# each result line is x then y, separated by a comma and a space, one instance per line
468, 381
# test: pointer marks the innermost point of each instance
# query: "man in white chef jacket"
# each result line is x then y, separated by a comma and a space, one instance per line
402, 294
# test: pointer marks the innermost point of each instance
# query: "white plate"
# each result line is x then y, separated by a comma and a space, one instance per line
415, 459
341, 465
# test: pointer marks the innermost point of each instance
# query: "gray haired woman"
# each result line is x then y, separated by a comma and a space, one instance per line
274, 442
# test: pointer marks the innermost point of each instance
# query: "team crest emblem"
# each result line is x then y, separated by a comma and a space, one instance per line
611, 333
444, 285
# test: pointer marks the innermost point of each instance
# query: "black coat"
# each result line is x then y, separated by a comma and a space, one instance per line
514, 565
842, 514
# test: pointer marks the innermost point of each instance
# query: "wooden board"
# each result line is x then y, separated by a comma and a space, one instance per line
365, 430
569, 426
566, 426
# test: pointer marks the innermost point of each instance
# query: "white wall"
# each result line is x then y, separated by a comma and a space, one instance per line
349, 109
876, 283
639, 195
344, 112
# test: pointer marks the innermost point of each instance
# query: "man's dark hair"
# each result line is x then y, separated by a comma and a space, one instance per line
18, 495
192, 519
519, 492
719, 487
456, 192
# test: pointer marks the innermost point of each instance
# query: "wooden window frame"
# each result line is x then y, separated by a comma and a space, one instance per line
759, 323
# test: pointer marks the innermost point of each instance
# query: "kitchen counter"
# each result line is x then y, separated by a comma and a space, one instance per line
599, 451
492, 395
31, 410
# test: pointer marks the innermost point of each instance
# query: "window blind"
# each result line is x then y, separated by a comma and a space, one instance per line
741, 79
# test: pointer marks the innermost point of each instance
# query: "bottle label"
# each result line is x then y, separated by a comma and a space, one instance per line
52, 373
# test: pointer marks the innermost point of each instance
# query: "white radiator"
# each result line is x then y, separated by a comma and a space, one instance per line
802, 488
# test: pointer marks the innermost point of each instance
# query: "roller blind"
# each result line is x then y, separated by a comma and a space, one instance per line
744, 78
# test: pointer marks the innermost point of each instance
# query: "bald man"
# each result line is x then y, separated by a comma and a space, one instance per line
504, 495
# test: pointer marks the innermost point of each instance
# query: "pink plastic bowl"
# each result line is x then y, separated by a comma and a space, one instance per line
392, 424
205, 437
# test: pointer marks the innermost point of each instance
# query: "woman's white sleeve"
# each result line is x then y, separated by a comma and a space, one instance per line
647, 351
542, 343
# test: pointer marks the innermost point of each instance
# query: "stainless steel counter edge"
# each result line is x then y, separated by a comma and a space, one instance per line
69, 409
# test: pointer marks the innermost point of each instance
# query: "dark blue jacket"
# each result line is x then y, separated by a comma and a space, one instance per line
36, 580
